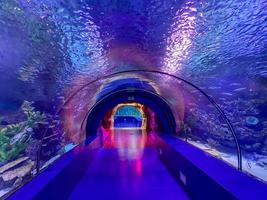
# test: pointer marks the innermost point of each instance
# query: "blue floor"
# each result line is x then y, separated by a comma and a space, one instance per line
127, 167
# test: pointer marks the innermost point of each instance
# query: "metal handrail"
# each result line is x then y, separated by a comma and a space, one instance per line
211, 100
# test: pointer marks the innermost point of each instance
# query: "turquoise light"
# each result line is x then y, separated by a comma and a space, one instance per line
128, 110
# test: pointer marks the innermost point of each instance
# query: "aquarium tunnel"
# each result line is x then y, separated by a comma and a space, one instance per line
133, 99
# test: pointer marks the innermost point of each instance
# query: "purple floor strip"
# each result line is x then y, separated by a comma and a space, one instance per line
124, 169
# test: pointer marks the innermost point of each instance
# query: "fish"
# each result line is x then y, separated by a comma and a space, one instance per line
240, 89
227, 94
235, 84
214, 87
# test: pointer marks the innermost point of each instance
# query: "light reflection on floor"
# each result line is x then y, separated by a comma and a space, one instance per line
128, 167
130, 143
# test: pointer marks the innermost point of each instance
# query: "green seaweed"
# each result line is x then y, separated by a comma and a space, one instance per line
14, 138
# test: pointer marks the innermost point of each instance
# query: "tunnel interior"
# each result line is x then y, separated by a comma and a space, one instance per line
193, 71
151, 111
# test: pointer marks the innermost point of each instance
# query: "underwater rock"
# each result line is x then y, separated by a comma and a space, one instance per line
213, 143
15, 176
18, 172
12, 164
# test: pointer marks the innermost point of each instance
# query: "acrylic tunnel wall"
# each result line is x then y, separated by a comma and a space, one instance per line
57, 59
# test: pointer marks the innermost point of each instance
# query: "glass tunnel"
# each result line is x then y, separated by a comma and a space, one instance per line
133, 99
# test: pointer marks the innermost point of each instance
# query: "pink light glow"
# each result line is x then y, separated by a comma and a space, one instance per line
130, 143
138, 167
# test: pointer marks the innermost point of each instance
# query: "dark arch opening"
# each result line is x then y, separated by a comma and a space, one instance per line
131, 95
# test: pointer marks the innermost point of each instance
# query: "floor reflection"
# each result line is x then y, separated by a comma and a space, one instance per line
128, 167
130, 143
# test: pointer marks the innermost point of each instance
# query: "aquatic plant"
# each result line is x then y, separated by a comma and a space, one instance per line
188, 124
186, 130
15, 137
213, 143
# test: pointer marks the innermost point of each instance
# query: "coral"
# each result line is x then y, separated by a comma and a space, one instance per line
15, 137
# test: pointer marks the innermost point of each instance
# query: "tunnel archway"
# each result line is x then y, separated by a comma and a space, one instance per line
175, 77
132, 95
